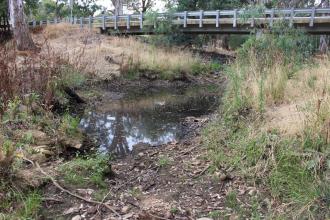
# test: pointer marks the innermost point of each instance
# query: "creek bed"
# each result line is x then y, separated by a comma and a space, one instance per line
154, 116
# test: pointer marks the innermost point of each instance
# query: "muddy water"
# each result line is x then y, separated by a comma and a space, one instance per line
154, 117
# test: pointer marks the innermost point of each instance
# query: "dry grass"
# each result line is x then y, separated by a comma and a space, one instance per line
58, 30
306, 104
107, 57
139, 56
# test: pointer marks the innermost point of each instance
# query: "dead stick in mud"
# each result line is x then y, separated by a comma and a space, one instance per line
73, 194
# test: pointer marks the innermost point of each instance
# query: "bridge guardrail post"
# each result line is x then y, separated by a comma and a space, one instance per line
235, 19
201, 15
291, 17
81, 22
311, 22
217, 19
272, 14
34, 23
90, 22
141, 20
115, 22
185, 19
103, 22
128, 25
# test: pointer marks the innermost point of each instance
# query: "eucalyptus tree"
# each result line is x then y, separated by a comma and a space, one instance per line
19, 26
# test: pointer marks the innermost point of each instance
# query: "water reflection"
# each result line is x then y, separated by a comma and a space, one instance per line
154, 119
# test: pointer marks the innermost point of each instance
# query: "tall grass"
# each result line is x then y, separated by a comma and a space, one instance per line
167, 63
271, 74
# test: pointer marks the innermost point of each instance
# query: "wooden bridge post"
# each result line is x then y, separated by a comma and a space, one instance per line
217, 19
141, 20
311, 22
235, 19
201, 14
128, 22
185, 17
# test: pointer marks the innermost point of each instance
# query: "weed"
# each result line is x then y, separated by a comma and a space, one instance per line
70, 125
86, 171
215, 214
135, 192
163, 161
231, 200
174, 210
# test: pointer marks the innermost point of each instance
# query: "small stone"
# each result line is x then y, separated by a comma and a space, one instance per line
91, 210
125, 209
223, 177
77, 217
141, 154
44, 150
168, 215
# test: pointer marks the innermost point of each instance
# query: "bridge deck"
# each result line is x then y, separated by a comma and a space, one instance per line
314, 21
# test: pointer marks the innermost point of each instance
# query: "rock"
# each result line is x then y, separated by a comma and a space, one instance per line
205, 218
125, 209
77, 217
38, 157
44, 149
92, 210
168, 215
30, 177
72, 143
39, 137
139, 147
223, 177
141, 154
22, 108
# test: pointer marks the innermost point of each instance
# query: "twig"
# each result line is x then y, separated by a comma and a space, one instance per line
73, 194
202, 172
51, 199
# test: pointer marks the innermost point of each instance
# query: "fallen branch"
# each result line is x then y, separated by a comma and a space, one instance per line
73, 194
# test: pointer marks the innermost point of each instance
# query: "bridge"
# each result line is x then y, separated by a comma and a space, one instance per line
312, 20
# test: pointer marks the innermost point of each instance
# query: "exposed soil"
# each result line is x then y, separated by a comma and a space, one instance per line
145, 187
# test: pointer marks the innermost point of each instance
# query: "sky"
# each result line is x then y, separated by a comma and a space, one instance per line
159, 4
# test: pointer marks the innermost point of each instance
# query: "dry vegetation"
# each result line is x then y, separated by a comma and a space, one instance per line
108, 56
274, 127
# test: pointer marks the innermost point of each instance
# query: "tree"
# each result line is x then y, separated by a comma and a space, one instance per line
140, 5
19, 26
118, 5
85, 8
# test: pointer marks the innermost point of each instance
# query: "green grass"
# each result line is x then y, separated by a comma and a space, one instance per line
26, 204
163, 161
90, 171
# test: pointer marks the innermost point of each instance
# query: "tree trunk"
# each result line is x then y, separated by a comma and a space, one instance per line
19, 26
118, 4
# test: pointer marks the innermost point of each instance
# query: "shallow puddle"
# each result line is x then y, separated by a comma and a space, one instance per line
154, 117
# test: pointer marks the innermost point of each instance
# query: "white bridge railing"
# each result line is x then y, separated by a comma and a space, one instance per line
307, 16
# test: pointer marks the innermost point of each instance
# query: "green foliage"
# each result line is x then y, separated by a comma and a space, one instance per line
163, 161
70, 125
89, 171
293, 44
27, 203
